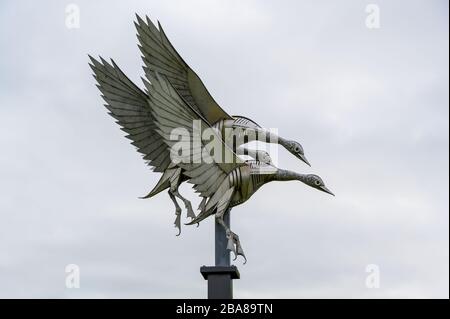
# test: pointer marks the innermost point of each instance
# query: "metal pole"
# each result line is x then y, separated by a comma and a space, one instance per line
221, 252
220, 277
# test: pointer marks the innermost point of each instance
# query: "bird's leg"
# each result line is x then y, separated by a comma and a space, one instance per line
175, 182
177, 212
219, 219
234, 243
238, 251
233, 239
187, 204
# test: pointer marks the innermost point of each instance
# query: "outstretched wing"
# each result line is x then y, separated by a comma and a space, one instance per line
160, 56
207, 163
129, 106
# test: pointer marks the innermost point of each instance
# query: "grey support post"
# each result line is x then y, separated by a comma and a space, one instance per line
220, 277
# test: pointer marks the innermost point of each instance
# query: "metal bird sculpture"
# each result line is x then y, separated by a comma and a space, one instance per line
174, 98
127, 103
224, 183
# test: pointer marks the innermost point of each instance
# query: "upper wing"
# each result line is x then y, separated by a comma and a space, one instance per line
176, 118
129, 106
160, 56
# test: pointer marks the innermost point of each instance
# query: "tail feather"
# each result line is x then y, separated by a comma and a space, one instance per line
203, 214
162, 184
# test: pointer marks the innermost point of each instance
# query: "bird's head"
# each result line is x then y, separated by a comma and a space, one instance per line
297, 149
264, 157
317, 183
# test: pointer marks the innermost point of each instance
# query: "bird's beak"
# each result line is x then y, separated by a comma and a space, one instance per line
326, 190
303, 158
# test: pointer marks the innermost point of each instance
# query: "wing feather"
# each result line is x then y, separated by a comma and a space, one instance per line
129, 105
206, 173
160, 56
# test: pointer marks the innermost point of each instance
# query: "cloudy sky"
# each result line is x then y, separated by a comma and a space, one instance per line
370, 107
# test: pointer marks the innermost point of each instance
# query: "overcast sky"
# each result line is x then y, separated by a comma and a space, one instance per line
370, 107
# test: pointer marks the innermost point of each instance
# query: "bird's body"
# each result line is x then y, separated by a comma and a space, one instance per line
224, 184
241, 184
174, 176
245, 180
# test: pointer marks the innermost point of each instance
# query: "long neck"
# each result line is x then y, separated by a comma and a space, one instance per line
242, 150
274, 138
286, 175
252, 134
